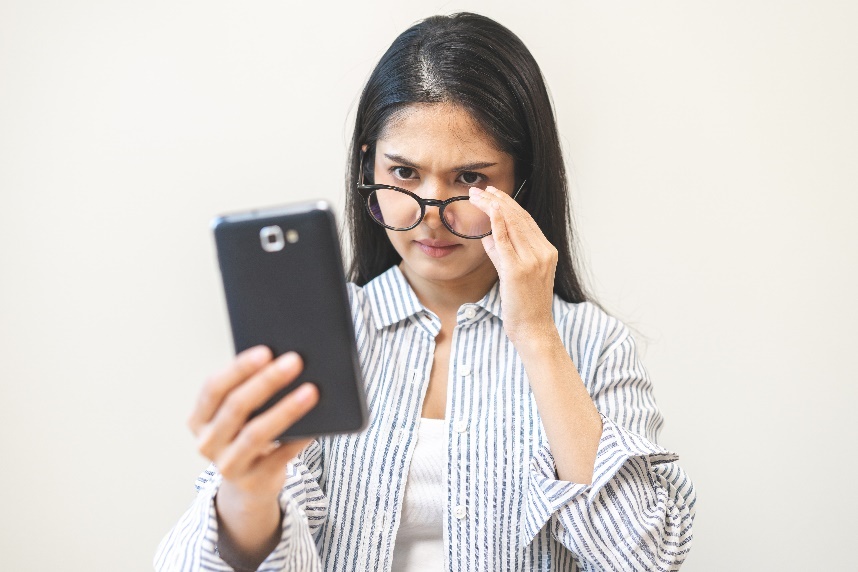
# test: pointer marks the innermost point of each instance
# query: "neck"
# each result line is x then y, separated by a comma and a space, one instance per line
445, 297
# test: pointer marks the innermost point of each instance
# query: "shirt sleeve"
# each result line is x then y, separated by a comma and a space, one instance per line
192, 543
637, 514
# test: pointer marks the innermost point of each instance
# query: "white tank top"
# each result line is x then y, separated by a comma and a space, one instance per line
419, 543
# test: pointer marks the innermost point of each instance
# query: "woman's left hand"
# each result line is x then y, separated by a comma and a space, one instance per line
525, 262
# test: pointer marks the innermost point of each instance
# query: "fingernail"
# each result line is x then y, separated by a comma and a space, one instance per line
287, 361
304, 393
258, 354
476, 191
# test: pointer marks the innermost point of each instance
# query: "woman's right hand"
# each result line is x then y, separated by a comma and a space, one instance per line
252, 464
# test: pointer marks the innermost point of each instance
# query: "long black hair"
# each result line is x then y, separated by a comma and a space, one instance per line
473, 62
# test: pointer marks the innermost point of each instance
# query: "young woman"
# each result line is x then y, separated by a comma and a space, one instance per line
512, 425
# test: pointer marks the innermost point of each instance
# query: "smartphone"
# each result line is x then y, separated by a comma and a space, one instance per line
285, 288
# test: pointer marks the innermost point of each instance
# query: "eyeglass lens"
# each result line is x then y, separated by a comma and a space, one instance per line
400, 211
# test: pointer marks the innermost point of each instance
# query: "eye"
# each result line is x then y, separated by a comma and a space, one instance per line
404, 173
470, 178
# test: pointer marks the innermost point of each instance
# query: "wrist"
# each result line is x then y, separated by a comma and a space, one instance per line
538, 341
249, 528
250, 500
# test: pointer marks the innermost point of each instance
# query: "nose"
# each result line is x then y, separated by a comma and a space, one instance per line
432, 217
432, 190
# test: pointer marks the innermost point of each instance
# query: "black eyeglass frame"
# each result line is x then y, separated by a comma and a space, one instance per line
366, 190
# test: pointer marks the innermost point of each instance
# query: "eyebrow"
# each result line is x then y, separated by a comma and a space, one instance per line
466, 167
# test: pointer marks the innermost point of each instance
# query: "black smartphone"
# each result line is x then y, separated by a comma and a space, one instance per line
285, 288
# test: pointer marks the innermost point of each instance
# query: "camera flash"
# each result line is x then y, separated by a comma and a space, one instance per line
291, 236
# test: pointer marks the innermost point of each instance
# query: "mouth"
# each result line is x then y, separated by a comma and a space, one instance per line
437, 248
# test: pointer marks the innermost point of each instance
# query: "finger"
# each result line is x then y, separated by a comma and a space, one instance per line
506, 241
243, 400
218, 386
525, 234
498, 245
512, 208
522, 230
254, 439
480, 199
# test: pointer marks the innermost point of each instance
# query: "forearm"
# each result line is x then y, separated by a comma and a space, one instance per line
248, 529
572, 422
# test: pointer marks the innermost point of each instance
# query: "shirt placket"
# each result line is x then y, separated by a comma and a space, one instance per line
459, 486
403, 438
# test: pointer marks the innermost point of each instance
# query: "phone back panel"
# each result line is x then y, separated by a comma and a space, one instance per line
287, 290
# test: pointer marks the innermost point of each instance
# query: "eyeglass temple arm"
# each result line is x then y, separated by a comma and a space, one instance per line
520, 187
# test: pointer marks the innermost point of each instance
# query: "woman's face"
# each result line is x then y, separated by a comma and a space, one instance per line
438, 151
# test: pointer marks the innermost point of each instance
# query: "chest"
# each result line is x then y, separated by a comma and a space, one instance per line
435, 401
490, 429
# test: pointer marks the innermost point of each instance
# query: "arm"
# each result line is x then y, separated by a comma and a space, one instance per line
615, 499
198, 540
526, 262
637, 513
240, 504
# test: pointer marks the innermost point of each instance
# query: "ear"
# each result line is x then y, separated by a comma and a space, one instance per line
364, 147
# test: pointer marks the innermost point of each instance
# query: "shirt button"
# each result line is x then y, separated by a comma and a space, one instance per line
470, 312
460, 426
464, 370
460, 511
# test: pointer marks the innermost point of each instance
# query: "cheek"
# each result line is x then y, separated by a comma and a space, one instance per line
397, 239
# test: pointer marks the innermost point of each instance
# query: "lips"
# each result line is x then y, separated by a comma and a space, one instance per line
436, 248
436, 243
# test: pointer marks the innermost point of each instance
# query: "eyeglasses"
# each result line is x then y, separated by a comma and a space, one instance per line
399, 209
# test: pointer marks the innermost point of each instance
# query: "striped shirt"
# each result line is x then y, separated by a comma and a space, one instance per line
505, 508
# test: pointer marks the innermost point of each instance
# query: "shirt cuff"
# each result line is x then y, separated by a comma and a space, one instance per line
546, 494
294, 524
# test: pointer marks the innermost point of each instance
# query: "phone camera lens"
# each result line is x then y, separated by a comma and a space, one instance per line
271, 238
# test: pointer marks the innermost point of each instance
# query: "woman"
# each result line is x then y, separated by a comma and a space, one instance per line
512, 425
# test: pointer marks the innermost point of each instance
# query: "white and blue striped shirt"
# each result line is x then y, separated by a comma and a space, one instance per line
504, 509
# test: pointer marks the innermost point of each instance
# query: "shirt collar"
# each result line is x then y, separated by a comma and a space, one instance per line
392, 299
492, 300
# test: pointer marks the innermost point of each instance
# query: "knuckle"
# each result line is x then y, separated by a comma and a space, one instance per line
204, 400
249, 362
275, 377
244, 367
252, 435
205, 443
293, 409
210, 385
234, 408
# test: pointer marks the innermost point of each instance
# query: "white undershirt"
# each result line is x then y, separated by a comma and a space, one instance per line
419, 543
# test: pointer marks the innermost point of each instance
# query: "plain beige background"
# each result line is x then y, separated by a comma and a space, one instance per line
712, 148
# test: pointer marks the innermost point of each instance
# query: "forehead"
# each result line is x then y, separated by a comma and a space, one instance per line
440, 129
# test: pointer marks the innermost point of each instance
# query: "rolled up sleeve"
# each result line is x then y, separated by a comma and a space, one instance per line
637, 513
192, 544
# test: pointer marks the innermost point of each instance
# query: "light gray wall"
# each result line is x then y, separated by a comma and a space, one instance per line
712, 147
